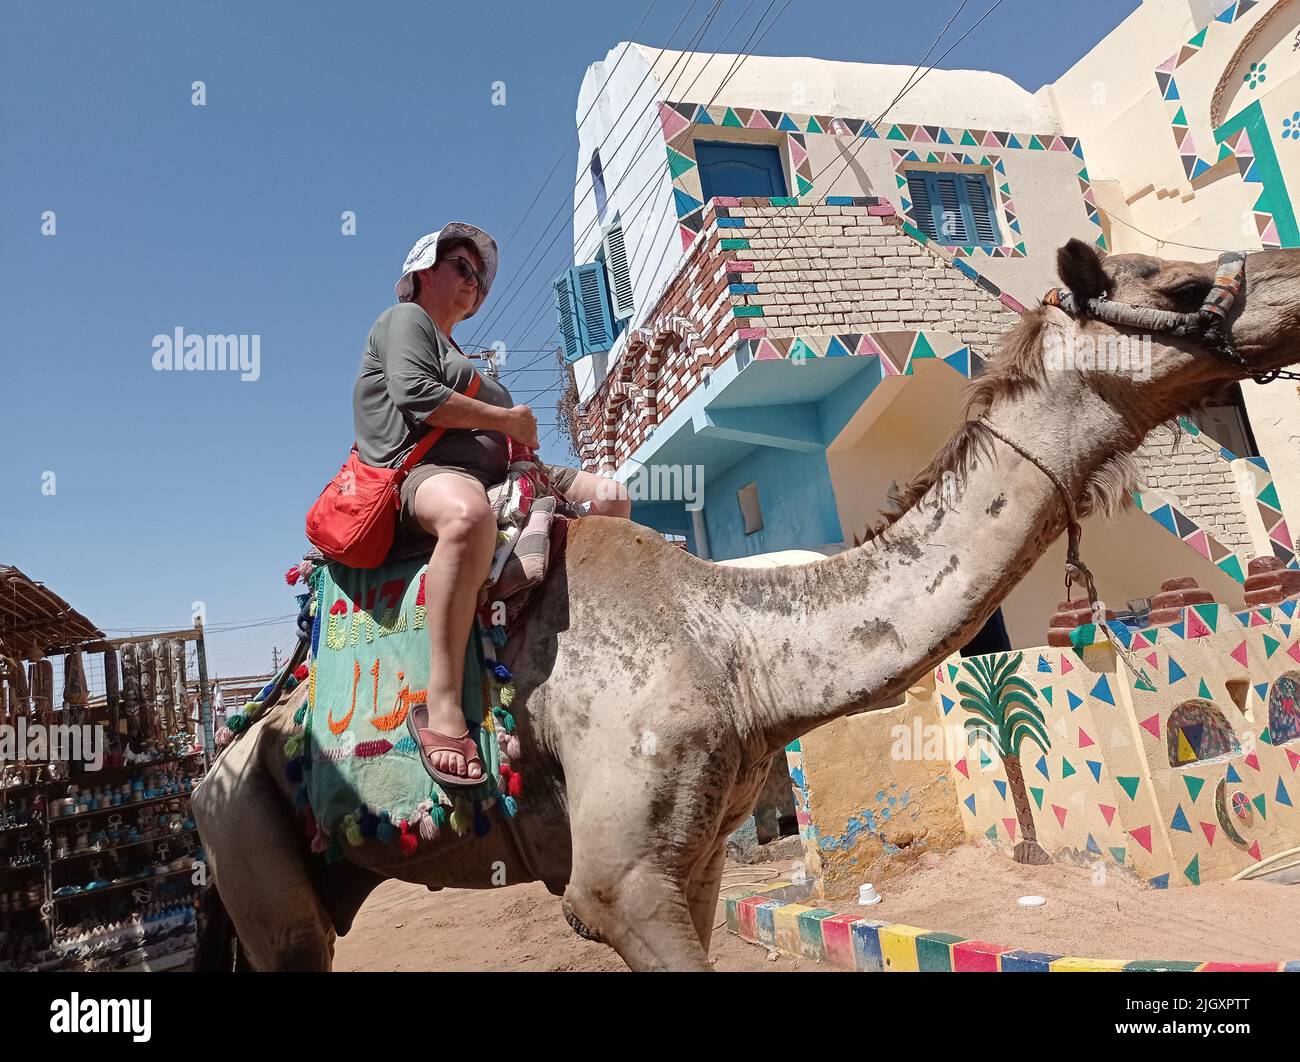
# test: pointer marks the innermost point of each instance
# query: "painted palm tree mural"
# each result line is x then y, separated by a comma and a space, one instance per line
1006, 715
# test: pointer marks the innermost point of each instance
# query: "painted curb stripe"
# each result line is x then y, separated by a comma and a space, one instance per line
868, 945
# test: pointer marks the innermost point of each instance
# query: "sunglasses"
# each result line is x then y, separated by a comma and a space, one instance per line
466, 269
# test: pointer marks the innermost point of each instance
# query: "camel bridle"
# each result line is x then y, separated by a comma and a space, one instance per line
1207, 327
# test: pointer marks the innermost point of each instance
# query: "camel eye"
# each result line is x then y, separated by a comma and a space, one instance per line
1190, 293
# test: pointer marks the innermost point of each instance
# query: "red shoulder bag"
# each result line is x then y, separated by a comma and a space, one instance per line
355, 517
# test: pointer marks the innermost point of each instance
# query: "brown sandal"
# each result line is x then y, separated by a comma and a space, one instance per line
431, 741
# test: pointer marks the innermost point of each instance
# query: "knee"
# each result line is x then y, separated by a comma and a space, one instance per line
465, 522
611, 499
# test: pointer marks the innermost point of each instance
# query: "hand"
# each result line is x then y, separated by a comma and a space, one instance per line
523, 426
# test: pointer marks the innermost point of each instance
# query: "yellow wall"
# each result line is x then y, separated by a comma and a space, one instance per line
876, 796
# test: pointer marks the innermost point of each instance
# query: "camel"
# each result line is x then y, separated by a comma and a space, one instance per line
654, 688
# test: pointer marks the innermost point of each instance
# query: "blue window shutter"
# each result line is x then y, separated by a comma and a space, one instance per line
739, 169
592, 300
566, 305
984, 221
952, 212
922, 204
619, 275
954, 209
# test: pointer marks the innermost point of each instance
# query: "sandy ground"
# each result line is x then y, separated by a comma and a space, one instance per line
406, 927
971, 891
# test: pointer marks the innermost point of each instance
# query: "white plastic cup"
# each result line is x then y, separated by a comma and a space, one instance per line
867, 894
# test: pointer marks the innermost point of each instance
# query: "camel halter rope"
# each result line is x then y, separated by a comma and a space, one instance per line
1074, 565
1207, 327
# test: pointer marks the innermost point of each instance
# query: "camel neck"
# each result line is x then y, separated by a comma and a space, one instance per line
863, 626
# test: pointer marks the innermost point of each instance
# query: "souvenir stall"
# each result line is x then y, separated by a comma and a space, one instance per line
100, 861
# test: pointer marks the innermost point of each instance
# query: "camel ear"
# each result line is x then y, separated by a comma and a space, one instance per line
1079, 266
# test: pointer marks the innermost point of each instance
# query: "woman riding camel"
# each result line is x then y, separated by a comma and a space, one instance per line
413, 379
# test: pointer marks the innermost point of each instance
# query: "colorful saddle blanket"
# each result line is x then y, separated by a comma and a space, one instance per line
359, 774
358, 771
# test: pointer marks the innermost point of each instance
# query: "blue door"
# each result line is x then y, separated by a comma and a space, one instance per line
739, 169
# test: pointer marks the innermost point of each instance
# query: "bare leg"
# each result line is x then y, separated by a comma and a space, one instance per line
454, 508
607, 497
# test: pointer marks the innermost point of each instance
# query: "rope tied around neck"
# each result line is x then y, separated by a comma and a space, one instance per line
1075, 568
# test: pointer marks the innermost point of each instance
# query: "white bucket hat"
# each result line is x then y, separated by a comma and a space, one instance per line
425, 253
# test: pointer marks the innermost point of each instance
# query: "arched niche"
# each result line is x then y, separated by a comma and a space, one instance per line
1198, 731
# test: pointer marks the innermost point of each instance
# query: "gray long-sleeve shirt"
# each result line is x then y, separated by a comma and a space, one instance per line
408, 370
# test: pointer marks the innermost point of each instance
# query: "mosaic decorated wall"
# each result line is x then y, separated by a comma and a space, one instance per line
1182, 770
1040, 180
1220, 111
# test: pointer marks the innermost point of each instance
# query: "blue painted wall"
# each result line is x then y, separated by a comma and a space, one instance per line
669, 518
794, 491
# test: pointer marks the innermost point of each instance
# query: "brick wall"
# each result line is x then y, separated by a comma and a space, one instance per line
686, 334
1202, 482
829, 268
761, 269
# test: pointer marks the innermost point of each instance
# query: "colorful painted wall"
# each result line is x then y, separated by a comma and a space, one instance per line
1172, 752
1039, 177
1210, 90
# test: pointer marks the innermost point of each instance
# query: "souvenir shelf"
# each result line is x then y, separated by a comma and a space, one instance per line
98, 871
101, 869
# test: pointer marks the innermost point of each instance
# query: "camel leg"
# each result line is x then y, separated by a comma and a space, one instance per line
641, 912
280, 921
702, 893
257, 856
633, 894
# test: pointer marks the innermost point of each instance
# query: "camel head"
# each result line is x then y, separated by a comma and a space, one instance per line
1128, 343
1166, 336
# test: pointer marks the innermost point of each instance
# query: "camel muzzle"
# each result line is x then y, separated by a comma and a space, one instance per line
1207, 327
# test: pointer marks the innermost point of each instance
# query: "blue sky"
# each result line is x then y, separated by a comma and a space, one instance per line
177, 487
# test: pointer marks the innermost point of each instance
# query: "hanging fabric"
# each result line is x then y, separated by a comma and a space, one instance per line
112, 693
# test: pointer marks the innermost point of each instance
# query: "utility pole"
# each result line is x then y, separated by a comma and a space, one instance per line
275, 658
